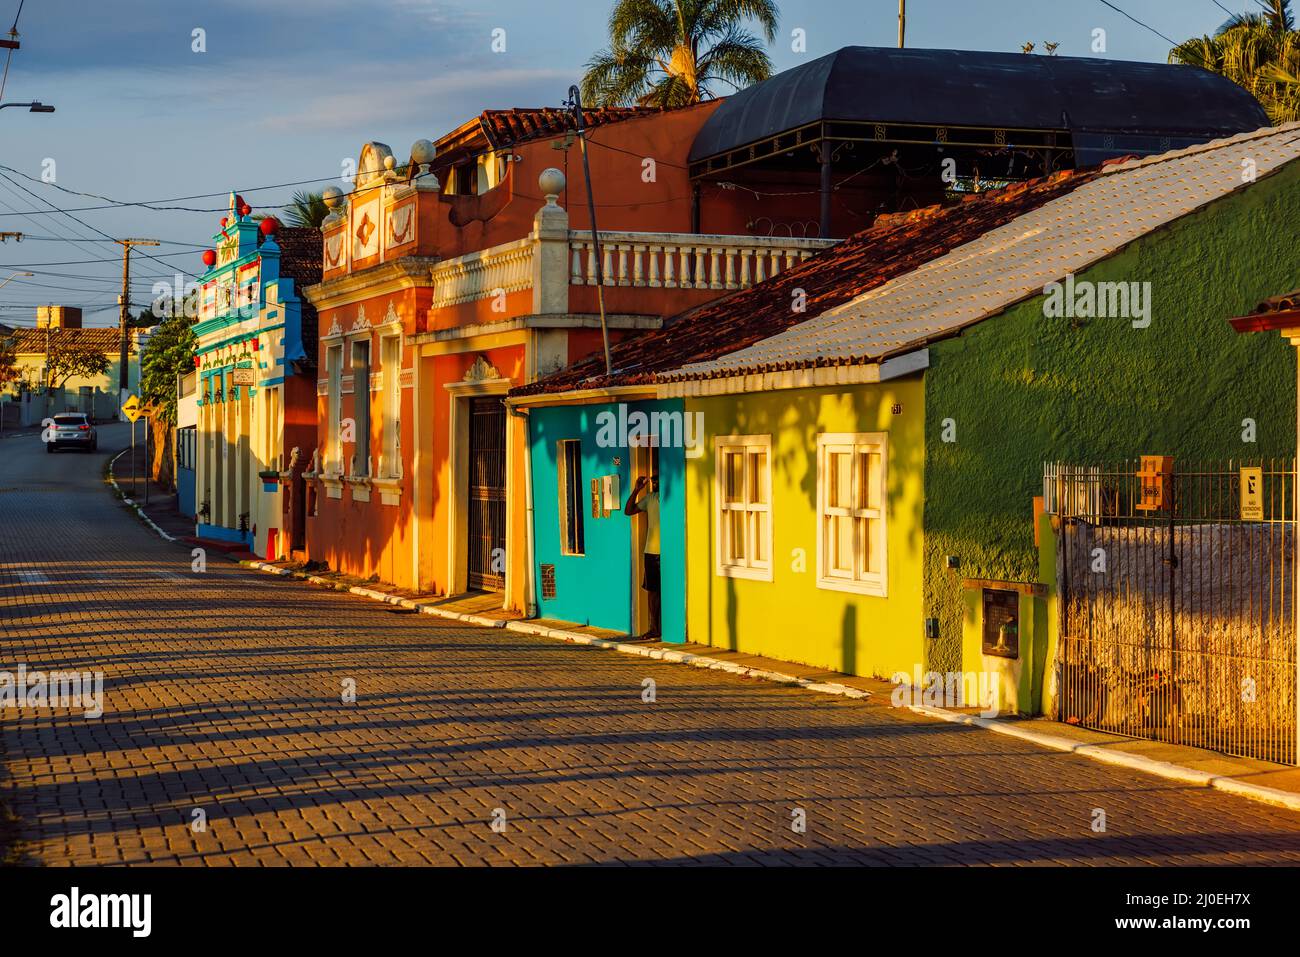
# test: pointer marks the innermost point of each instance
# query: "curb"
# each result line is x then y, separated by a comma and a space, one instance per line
130, 503
527, 628
1135, 762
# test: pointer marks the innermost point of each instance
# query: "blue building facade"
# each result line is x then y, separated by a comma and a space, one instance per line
587, 554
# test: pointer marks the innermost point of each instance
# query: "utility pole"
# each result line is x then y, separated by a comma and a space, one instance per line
575, 103
902, 21
123, 372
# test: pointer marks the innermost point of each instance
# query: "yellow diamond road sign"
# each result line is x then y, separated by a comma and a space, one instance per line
131, 408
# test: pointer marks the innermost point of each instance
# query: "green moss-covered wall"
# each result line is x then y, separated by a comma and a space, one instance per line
1022, 389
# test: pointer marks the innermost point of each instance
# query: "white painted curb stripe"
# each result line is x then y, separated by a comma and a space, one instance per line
131, 504
1136, 762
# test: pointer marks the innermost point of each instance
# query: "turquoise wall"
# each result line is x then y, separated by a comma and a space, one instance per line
595, 588
1022, 389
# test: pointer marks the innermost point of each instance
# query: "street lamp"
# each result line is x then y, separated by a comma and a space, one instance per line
16, 275
36, 106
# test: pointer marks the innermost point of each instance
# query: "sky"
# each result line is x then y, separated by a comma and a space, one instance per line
285, 91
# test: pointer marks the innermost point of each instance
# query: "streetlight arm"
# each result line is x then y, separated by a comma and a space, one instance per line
15, 276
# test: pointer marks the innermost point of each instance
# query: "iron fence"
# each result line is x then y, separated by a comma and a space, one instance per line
1177, 602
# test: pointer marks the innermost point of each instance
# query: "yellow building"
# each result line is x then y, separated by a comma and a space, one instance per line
58, 329
803, 516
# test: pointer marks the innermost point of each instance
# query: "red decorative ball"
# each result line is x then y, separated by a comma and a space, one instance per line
209, 257
224, 220
269, 226
245, 209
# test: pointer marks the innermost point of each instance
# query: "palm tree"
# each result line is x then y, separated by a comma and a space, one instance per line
672, 53
306, 209
1259, 52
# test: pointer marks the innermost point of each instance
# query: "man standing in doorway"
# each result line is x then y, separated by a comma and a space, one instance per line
649, 504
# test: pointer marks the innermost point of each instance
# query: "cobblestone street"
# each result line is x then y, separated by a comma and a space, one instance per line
223, 694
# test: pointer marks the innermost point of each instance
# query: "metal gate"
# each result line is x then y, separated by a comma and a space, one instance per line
1176, 602
487, 494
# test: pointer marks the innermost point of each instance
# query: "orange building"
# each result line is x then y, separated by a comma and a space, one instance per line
467, 269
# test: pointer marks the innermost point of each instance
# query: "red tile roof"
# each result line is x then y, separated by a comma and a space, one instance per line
501, 129
893, 245
507, 127
104, 339
301, 259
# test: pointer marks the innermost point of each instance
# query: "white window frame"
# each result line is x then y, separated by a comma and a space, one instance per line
361, 465
578, 493
860, 582
390, 440
748, 568
334, 400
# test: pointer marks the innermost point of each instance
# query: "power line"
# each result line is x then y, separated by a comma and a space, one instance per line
82, 262
52, 226
79, 221
1145, 26
29, 238
154, 204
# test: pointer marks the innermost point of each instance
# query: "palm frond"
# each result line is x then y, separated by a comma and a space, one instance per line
305, 209
666, 52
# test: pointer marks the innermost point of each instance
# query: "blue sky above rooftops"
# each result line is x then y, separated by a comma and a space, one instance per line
289, 89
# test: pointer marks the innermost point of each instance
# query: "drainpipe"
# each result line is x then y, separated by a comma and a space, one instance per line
530, 577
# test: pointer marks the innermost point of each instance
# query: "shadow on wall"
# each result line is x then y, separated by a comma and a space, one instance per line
795, 419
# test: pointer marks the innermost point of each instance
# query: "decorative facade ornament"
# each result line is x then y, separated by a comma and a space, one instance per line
334, 249
373, 164
362, 324
401, 225
335, 331
391, 318
481, 370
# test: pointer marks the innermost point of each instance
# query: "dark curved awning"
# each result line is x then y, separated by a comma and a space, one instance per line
1078, 95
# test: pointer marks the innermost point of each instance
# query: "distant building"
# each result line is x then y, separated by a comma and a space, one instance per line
60, 327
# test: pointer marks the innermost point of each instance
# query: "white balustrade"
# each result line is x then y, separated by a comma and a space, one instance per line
481, 275
686, 260
634, 260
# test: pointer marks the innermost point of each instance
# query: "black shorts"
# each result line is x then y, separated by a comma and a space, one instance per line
650, 581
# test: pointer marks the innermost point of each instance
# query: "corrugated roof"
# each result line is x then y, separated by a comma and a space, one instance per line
893, 246
1016, 260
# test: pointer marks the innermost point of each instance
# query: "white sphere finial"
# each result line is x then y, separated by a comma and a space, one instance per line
422, 154
332, 197
552, 184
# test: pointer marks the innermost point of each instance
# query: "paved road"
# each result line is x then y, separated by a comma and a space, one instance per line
223, 695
